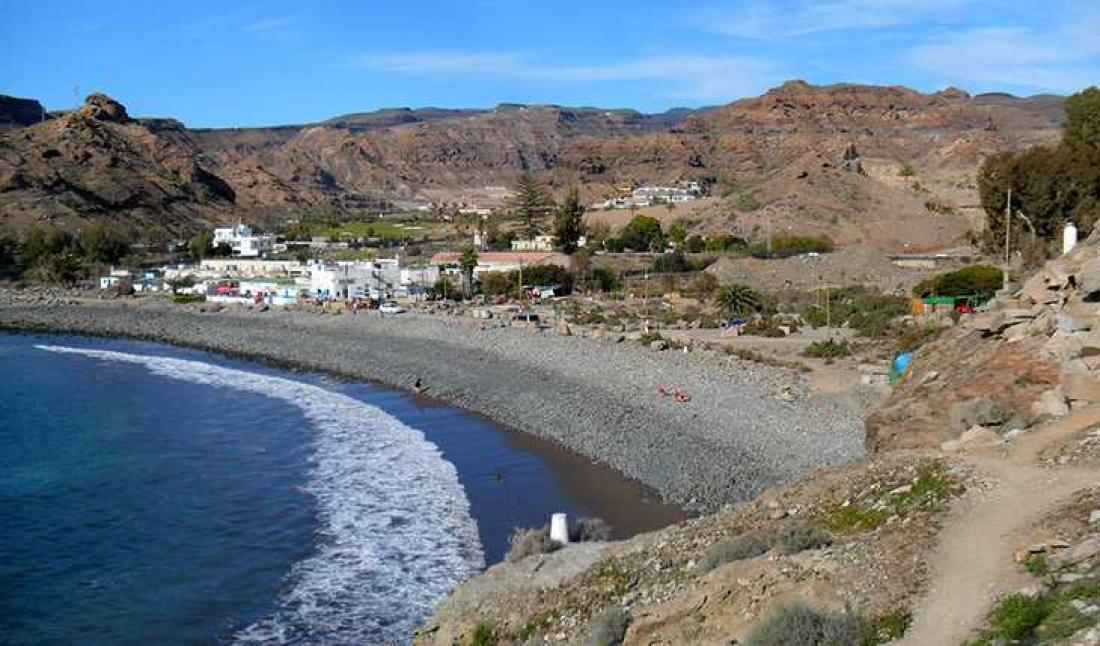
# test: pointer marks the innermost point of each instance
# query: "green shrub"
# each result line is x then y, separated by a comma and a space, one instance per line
785, 246
483, 636
608, 628
870, 312
604, 280
763, 326
1037, 565
745, 546
800, 537
726, 242
642, 233
885, 628
798, 625
846, 519
972, 280
188, 298
828, 349
1048, 618
1017, 615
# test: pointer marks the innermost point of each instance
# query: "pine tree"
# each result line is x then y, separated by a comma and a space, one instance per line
530, 202
569, 222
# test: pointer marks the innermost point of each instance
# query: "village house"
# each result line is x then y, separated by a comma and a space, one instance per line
251, 268
243, 241
504, 261
538, 243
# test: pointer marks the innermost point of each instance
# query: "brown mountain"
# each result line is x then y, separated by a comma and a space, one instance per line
97, 163
775, 160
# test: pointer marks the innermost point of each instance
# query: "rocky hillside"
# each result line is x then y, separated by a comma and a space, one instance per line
98, 163
1033, 357
867, 165
976, 519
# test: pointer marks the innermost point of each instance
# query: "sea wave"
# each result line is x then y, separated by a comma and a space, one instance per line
395, 531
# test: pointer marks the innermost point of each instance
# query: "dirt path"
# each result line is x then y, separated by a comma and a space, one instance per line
973, 563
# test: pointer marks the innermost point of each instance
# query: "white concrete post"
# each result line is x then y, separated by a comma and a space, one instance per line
1069, 238
559, 528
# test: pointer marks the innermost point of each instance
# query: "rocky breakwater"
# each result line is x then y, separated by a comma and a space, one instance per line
1032, 357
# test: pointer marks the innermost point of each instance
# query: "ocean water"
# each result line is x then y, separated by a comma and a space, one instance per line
154, 495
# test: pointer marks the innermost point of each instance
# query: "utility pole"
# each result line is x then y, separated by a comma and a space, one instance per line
1008, 231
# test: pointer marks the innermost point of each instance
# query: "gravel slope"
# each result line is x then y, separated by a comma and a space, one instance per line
735, 437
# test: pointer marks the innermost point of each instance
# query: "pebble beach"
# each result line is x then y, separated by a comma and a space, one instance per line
747, 426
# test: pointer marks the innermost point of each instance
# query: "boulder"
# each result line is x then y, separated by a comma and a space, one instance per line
1082, 551
1089, 344
1067, 322
1088, 279
1038, 291
1051, 403
978, 437
980, 411
1081, 386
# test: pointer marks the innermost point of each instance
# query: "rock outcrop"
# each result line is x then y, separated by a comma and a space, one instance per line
16, 112
96, 163
1033, 355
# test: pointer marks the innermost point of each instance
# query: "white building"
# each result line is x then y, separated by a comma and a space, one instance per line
355, 279
644, 196
503, 261
419, 276
538, 243
250, 268
243, 241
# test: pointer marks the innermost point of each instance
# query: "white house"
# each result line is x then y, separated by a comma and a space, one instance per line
355, 279
504, 261
538, 243
251, 267
243, 241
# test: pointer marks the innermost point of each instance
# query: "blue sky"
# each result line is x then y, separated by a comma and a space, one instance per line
255, 63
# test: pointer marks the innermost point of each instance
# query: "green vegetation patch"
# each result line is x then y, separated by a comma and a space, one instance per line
931, 487
483, 636
973, 280
1039, 619
828, 349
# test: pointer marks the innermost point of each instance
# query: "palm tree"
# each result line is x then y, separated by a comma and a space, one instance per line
739, 300
468, 261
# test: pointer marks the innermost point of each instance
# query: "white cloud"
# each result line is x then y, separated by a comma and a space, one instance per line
682, 76
271, 27
1061, 57
759, 20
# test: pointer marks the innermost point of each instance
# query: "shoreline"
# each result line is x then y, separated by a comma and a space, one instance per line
596, 399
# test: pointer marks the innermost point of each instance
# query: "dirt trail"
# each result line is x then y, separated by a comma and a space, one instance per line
973, 563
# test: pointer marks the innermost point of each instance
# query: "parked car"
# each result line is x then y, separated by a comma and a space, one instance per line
390, 308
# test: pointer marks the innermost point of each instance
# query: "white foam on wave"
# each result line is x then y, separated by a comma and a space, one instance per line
395, 527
